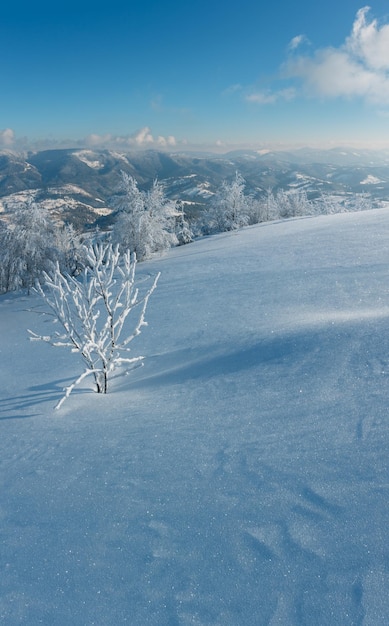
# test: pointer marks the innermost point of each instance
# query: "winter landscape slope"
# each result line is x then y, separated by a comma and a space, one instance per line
241, 476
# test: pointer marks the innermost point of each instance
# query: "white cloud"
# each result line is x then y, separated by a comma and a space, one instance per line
368, 42
7, 137
166, 141
141, 138
270, 97
334, 73
232, 89
96, 140
296, 42
262, 97
358, 68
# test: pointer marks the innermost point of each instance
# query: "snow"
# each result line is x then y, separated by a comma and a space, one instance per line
371, 180
20, 197
68, 189
87, 157
241, 476
201, 190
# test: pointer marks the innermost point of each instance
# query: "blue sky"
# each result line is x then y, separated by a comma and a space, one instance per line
194, 75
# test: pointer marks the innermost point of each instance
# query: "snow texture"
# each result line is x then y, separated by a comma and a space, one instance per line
240, 478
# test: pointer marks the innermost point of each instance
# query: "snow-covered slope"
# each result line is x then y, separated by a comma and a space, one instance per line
241, 477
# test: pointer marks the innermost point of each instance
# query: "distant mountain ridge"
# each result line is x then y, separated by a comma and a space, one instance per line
78, 184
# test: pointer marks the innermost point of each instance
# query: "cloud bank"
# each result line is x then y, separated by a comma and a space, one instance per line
142, 138
358, 68
269, 97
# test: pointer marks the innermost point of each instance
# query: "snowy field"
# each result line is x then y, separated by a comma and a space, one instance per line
241, 477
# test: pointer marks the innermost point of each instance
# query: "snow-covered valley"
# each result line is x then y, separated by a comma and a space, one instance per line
241, 477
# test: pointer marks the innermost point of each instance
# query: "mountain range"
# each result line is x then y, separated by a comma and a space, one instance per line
78, 184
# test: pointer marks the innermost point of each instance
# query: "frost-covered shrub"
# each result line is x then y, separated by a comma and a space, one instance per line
93, 312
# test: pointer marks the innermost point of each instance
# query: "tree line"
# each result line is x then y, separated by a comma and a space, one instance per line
147, 222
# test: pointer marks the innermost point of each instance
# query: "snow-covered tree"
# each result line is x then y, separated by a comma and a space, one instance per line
146, 220
7, 270
94, 311
128, 230
359, 202
70, 249
292, 203
328, 204
27, 246
184, 232
32, 242
161, 213
263, 209
229, 209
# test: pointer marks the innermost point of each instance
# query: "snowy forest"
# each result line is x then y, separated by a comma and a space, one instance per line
33, 240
